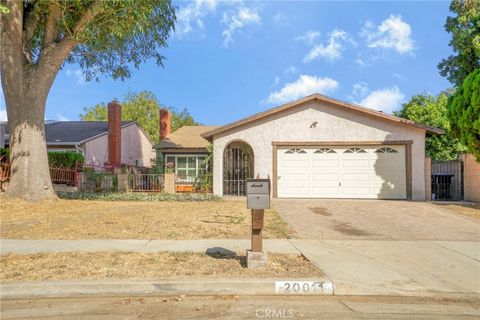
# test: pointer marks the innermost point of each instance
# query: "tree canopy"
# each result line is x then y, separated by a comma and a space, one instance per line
105, 38
464, 113
465, 42
142, 107
432, 111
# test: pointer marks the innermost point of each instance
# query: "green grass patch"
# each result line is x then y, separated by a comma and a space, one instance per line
138, 196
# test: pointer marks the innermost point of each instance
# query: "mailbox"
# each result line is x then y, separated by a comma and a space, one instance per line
258, 194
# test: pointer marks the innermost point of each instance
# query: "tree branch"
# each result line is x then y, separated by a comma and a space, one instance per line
87, 17
30, 24
51, 29
12, 60
53, 55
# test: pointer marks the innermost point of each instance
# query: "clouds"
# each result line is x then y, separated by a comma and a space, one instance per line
236, 20
236, 16
190, 17
386, 100
77, 74
393, 33
3, 115
309, 36
303, 86
332, 50
360, 89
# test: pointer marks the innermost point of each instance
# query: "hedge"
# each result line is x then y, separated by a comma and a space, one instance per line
65, 159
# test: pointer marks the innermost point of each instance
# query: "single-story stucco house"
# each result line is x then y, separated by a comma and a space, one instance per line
111, 142
319, 147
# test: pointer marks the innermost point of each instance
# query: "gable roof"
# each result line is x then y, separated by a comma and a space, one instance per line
76, 132
321, 98
187, 137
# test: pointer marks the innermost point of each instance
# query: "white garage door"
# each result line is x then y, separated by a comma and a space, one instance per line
342, 172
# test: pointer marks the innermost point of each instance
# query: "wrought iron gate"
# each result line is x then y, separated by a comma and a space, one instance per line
237, 168
447, 180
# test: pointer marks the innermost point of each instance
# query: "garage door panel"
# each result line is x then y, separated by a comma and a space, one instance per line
325, 177
349, 177
353, 191
296, 163
326, 164
292, 177
371, 173
325, 191
387, 193
356, 164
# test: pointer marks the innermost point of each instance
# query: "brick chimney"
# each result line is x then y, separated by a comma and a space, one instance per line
164, 123
114, 133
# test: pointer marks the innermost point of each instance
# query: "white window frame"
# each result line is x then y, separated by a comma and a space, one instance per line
197, 163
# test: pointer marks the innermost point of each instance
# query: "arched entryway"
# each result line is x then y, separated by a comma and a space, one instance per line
237, 168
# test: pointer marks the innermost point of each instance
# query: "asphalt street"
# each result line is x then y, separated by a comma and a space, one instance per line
243, 307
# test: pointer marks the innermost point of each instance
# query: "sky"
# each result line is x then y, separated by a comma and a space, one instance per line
229, 60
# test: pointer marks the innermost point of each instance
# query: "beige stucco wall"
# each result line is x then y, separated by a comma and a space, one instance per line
471, 178
334, 124
135, 146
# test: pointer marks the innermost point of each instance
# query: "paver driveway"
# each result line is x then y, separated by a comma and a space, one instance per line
375, 220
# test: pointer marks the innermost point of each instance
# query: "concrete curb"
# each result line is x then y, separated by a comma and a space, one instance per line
71, 288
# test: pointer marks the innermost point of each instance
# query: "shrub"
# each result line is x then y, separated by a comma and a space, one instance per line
138, 196
65, 159
4, 154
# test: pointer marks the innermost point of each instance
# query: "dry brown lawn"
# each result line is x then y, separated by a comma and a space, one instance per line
122, 265
471, 210
81, 219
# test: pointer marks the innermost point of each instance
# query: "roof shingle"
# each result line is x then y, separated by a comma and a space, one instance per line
187, 137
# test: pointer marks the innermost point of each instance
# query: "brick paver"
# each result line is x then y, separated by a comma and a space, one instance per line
375, 220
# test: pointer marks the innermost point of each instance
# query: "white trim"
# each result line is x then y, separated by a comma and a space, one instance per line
197, 165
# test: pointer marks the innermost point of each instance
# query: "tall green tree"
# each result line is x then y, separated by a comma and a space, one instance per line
432, 111
464, 113
37, 37
464, 27
142, 107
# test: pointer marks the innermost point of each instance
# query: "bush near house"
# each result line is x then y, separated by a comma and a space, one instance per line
4, 154
65, 159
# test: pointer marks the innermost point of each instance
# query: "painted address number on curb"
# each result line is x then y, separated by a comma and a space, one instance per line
303, 287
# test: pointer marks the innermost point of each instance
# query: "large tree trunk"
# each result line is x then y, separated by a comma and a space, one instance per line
30, 174
26, 85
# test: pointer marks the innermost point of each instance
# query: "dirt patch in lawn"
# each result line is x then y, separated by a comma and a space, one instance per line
468, 209
81, 219
122, 265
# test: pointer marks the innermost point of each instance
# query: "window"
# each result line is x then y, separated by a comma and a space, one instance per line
355, 150
295, 150
386, 150
187, 167
324, 150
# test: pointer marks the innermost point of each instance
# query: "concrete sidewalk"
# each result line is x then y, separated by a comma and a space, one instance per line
397, 267
412, 268
236, 245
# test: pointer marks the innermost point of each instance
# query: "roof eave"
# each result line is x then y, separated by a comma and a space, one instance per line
209, 134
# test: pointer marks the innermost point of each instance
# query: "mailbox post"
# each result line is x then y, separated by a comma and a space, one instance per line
258, 199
